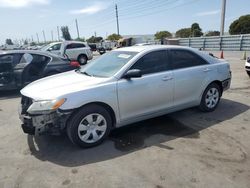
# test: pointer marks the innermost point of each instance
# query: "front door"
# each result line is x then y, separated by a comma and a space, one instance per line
152, 92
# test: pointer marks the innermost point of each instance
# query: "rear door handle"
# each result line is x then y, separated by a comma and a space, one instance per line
206, 70
167, 78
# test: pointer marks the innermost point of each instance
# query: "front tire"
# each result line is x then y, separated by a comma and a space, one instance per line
248, 72
89, 126
210, 98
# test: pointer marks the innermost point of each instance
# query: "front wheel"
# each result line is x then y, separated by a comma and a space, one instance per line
248, 72
210, 98
89, 126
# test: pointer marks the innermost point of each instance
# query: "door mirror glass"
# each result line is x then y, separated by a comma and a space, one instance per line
133, 73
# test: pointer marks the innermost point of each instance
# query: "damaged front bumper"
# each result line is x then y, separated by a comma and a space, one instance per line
53, 123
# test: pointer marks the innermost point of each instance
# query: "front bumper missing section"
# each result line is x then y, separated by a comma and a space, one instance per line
53, 123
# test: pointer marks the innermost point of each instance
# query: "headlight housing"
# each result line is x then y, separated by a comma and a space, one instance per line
45, 106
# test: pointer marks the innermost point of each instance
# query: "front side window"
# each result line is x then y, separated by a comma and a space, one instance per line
56, 47
184, 59
109, 64
152, 62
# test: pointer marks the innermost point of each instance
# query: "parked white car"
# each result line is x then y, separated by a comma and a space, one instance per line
247, 66
122, 87
74, 50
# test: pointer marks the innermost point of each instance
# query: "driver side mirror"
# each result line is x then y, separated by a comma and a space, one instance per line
50, 49
134, 73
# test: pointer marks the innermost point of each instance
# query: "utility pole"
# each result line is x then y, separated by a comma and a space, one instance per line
52, 35
117, 19
77, 29
44, 37
32, 39
223, 13
37, 37
58, 33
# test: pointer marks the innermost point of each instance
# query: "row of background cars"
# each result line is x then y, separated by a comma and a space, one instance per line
21, 67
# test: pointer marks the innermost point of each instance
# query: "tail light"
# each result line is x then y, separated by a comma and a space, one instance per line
75, 64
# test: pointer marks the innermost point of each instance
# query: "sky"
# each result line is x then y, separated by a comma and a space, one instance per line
24, 19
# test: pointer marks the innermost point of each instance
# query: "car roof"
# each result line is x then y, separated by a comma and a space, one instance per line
72, 41
38, 52
151, 47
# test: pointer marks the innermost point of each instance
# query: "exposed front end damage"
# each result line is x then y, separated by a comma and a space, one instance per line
52, 123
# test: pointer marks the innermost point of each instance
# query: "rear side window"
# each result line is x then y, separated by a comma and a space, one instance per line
184, 59
75, 45
152, 62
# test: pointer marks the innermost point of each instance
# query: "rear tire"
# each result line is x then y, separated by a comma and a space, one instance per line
210, 98
89, 126
82, 59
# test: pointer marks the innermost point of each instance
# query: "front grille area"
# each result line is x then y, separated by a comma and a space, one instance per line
247, 67
25, 104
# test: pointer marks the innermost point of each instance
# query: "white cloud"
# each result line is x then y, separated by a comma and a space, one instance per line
208, 13
92, 9
21, 3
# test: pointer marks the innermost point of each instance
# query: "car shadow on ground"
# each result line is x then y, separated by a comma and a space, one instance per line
11, 94
153, 132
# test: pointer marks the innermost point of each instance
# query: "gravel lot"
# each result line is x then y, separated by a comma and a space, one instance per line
183, 149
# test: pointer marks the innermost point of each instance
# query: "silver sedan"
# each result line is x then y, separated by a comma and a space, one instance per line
121, 87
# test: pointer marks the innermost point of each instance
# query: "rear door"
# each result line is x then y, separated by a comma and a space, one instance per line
190, 73
73, 50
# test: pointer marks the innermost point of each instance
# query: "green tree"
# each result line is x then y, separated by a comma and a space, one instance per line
160, 35
65, 33
240, 26
94, 39
114, 37
183, 33
196, 31
9, 42
213, 33
25, 42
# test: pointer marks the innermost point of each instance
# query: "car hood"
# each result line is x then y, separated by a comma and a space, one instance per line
59, 85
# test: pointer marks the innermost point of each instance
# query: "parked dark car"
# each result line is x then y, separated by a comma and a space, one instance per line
101, 50
92, 47
19, 68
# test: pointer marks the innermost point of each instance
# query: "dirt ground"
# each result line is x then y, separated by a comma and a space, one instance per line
183, 149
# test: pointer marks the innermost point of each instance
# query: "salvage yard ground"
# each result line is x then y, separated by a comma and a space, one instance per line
183, 149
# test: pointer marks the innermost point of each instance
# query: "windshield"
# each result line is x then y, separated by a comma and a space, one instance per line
109, 64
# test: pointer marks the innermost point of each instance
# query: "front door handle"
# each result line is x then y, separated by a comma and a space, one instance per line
206, 70
167, 78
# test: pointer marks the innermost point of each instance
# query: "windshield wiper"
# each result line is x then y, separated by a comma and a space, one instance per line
86, 73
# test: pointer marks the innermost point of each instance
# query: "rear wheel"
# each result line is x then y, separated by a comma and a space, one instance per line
210, 98
89, 126
82, 59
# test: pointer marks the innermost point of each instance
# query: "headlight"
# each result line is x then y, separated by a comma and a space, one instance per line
42, 107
